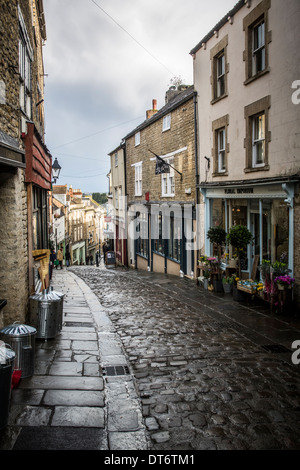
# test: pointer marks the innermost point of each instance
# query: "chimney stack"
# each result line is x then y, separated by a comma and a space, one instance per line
152, 111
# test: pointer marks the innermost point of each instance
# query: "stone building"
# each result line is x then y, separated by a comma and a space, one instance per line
160, 187
245, 76
117, 209
25, 163
94, 223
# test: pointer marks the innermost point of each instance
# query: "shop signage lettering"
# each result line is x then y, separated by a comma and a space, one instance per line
238, 191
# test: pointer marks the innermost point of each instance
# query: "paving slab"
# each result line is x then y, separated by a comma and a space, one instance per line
61, 438
74, 398
78, 416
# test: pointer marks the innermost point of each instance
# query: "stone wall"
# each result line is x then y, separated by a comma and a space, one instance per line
13, 247
9, 68
181, 134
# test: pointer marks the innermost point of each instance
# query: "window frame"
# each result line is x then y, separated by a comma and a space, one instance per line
166, 125
221, 151
220, 124
251, 112
137, 139
174, 244
259, 49
220, 78
168, 180
218, 91
138, 179
258, 16
257, 140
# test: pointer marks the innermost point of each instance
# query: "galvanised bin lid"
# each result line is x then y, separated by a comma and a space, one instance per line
18, 329
45, 297
7, 355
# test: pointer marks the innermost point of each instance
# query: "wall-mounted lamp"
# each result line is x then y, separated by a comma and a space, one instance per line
55, 171
208, 162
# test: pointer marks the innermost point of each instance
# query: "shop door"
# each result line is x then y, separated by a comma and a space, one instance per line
260, 240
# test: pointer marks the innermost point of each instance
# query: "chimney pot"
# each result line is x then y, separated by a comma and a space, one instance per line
154, 104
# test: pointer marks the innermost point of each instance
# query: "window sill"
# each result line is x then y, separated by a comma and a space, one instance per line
219, 98
258, 168
158, 253
223, 173
168, 195
173, 259
142, 256
256, 76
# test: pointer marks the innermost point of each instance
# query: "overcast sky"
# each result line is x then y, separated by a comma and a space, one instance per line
105, 61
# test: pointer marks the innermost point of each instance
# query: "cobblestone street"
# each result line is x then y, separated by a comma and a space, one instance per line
202, 363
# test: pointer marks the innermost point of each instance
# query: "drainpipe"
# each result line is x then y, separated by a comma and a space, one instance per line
289, 190
196, 147
196, 174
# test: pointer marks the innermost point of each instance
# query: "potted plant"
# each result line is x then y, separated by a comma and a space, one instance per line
227, 284
239, 237
264, 269
206, 279
217, 236
284, 282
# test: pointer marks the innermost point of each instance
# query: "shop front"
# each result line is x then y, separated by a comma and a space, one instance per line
266, 208
164, 240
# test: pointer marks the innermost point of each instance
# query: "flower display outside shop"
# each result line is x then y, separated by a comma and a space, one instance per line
284, 281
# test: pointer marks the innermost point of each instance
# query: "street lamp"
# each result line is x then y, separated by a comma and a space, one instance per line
55, 171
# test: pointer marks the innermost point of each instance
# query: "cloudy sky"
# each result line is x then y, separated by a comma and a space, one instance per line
105, 61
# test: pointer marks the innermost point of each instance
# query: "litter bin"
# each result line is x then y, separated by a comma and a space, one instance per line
45, 310
60, 297
7, 357
110, 259
21, 338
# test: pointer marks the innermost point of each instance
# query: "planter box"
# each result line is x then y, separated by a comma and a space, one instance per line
248, 289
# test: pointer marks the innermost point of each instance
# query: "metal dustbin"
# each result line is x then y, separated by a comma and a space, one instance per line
44, 314
58, 296
7, 357
110, 259
21, 338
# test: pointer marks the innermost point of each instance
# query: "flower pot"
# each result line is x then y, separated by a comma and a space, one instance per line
280, 287
205, 284
227, 288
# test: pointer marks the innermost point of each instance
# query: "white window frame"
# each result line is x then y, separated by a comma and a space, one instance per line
138, 178
116, 159
166, 123
259, 49
221, 142
258, 139
168, 180
220, 74
137, 139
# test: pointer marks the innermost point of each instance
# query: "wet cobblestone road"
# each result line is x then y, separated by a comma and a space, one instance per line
205, 381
